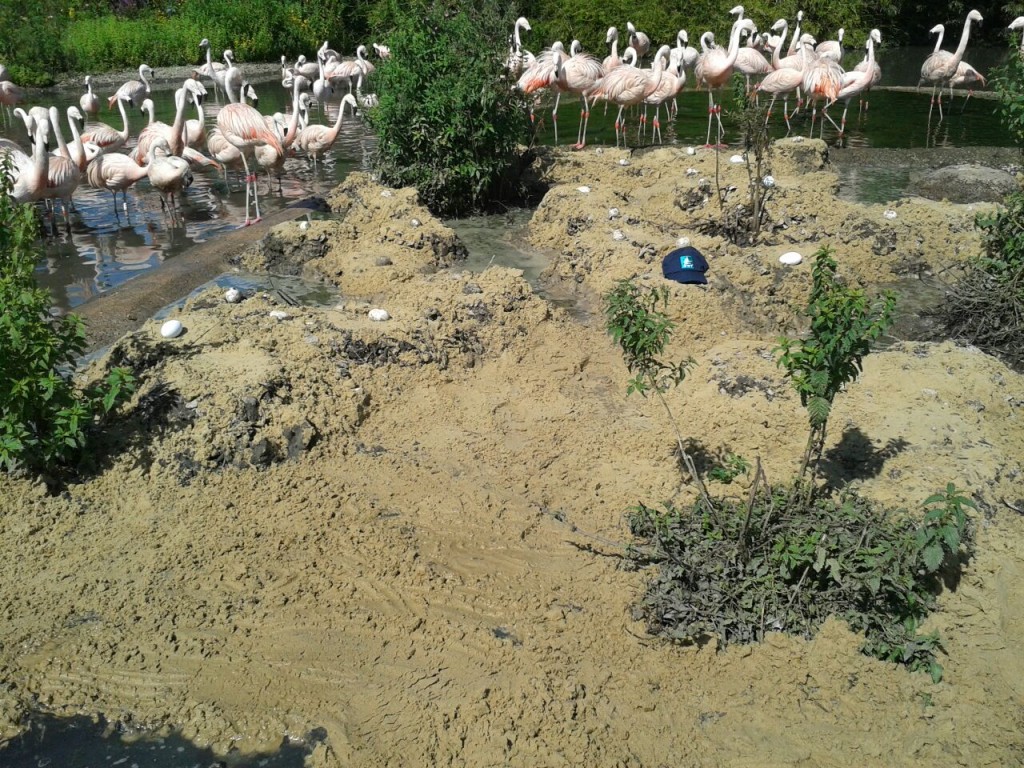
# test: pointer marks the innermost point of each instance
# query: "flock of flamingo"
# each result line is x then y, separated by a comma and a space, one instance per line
242, 136
809, 70
166, 155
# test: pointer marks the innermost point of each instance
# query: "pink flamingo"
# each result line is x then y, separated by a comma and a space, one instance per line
133, 91
516, 60
751, 62
63, 175
781, 80
174, 134
638, 41
31, 173
89, 101
823, 78
612, 60
856, 82
714, 68
540, 74
832, 49
671, 84
876, 78
316, 139
10, 96
243, 127
168, 174
940, 66
115, 172
577, 74
1018, 23
628, 86
107, 138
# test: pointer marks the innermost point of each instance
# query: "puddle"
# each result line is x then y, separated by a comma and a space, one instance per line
500, 240
916, 300
78, 742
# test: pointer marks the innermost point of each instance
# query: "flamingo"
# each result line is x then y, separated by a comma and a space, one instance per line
89, 101
383, 52
540, 74
10, 96
612, 60
267, 156
115, 172
243, 127
233, 80
832, 49
168, 174
940, 66
1018, 23
714, 68
363, 61
823, 78
577, 74
515, 61
63, 174
671, 84
315, 140
174, 134
876, 77
212, 69
965, 75
794, 44
31, 173
638, 41
628, 86
306, 68
109, 139
750, 61
684, 51
782, 80
858, 81
76, 151
133, 91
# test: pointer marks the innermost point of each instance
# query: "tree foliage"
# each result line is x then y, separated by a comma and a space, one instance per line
448, 121
44, 417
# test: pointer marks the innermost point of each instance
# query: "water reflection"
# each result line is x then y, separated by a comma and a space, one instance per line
107, 246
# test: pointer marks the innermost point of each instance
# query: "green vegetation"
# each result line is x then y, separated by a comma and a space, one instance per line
843, 324
44, 418
448, 122
1008, 83
46, 37
787, 557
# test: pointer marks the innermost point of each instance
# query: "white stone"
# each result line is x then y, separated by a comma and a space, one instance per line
277, 314
171, 329
682, 242
890, 214
232, 295
691, 171
791, 258
378, 315
737, 159
584, 189
386, 193
691, 151
618, 235
613, 213
623, 162
303, 225
768, 181
416, 222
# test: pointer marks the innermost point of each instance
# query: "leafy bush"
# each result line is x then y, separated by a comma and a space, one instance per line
98, 44
27, 43
44, 418
843, 324
777, 564
985, 305
1008, 83
448, 122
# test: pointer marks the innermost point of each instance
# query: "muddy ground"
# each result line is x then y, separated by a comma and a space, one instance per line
406, 533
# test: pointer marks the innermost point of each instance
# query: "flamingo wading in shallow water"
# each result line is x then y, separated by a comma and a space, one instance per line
940, 67
714, 69
243, 127
628, 86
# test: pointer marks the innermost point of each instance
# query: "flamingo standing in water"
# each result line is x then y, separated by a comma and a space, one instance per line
243, 127
782, 80
316, 139
628, 86
940, 67
577, 74
714, 69
89, 101
107, 138
133, 91
856, 82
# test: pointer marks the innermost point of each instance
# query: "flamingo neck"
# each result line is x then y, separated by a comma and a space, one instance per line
938, 42
959, 54
776, 60
293, 123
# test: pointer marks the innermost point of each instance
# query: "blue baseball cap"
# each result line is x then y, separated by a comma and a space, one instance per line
685, 265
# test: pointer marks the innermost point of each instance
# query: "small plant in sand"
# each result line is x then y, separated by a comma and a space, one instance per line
44, 417
638, 324
784, 558
843, 323
741, 223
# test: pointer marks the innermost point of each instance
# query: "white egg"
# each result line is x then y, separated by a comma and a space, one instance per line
584, 189
623, 162
232, 295
618, 235
890, 214
737, 159
791, 258
379, 315
691, 151
303, 225
682, 242
171, 329
386, 193
277, 314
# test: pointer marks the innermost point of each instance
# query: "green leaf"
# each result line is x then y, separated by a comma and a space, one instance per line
933, 556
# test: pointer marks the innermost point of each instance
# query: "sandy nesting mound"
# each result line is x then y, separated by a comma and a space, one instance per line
392, 530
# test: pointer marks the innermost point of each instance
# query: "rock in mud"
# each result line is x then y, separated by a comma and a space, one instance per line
966, 184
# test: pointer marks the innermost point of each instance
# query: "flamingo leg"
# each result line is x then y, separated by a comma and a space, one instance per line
711, 112
554, 115
581, 138
620, 125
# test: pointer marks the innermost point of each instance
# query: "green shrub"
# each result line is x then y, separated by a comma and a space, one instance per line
843, 323
985, 304
108, 42
448, 122
44, 417
28, 40
1008, 83
774, 563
